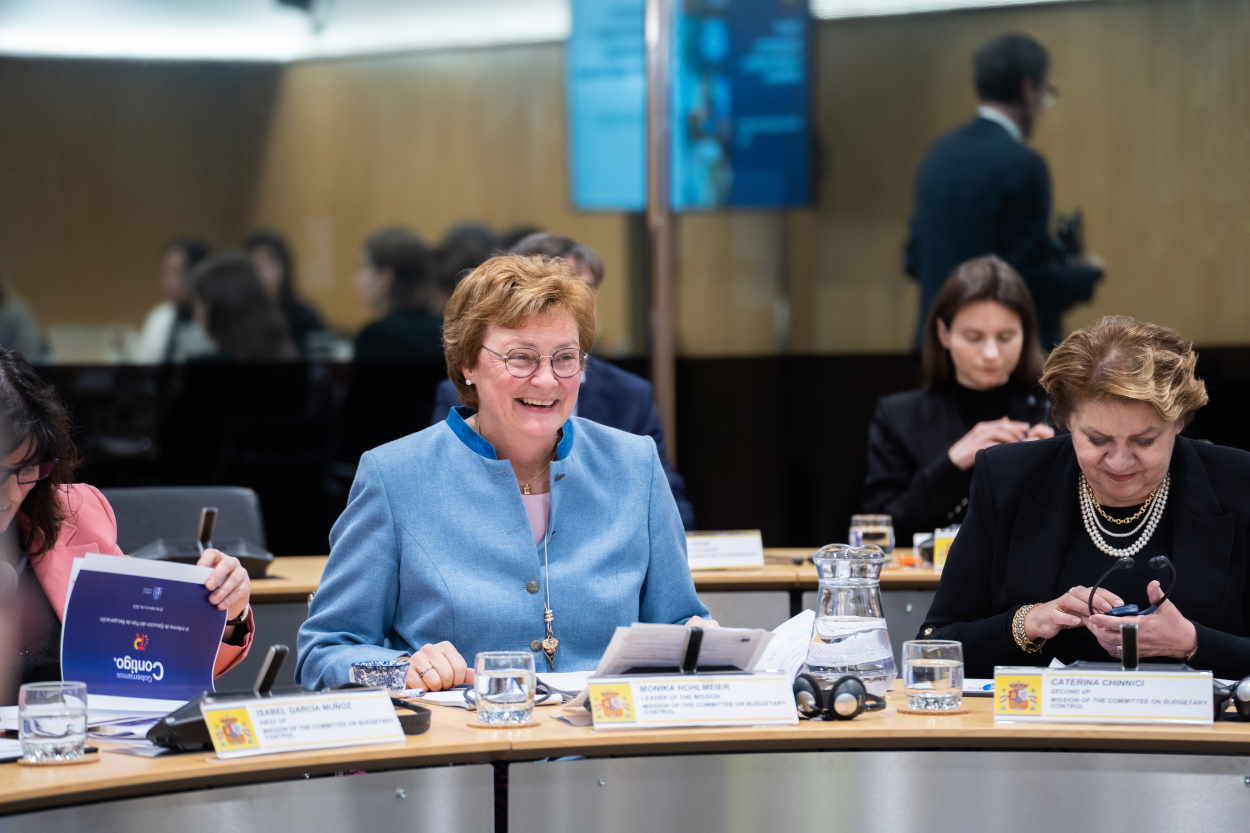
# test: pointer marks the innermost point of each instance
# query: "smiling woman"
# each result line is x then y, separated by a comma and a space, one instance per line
1045, 517
448, 545
47, 521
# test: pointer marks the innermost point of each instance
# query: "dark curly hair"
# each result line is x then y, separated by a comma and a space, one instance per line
34, 416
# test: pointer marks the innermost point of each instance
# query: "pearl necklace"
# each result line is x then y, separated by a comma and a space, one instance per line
1093, 528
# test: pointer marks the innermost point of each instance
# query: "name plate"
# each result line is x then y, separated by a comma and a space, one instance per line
1069, 695
315, 721
691, 700
724, 550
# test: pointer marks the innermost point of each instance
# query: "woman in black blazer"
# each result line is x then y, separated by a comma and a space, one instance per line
1047, 519
981, 360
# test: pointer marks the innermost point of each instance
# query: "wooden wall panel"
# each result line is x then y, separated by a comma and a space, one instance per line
101, 162
429, 140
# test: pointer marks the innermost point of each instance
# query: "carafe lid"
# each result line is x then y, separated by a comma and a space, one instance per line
843, 562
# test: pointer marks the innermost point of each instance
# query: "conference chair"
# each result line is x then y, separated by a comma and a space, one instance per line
173, 512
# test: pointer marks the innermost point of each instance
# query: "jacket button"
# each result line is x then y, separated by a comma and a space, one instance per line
531, 586
536, 645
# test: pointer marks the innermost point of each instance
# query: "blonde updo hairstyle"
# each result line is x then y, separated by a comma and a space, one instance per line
1119, 356
509, 291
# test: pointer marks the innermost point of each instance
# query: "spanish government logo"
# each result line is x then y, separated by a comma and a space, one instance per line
1018, 694
231, 729
612, 703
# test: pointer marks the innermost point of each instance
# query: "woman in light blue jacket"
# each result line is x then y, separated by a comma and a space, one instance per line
510, 527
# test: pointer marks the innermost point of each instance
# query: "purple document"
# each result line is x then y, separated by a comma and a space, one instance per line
138, 628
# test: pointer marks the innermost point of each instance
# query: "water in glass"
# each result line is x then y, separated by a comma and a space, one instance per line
934, 685
52, 721
933, 675
505, 696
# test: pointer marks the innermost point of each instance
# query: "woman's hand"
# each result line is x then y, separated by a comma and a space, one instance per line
1040, 431
1164, 633
700, 622
1071, 610
229, 587
437, 667
983, 435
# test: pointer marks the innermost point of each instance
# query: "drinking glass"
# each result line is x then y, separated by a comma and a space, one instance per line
933, 675
942, 540
873, 530
504, 687
52, 721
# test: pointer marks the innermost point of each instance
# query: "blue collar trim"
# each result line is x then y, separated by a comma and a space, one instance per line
566, 440
476, 442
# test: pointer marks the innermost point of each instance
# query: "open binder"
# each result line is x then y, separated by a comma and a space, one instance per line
648, 649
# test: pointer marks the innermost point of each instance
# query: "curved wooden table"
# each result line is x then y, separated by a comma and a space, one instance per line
294, 578
446, 778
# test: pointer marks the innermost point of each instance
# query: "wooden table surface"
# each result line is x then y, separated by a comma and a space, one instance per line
450, 739
119, 775
294, 578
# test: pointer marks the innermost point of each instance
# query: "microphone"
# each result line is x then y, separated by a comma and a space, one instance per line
1158, 563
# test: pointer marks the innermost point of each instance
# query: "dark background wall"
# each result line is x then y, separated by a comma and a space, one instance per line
771, 442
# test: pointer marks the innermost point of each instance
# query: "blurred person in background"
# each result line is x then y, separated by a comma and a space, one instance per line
608, 395
18, 329
982, 361
170, 332
47, 520
981, 190
242, 319
275, 265
396, 282
463, 248
510, 238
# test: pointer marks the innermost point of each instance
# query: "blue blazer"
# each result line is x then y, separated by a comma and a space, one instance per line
435, 545
609, 396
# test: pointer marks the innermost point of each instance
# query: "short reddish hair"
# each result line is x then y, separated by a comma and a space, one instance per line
509, 291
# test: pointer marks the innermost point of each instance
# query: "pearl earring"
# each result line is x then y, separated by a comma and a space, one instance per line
468, 381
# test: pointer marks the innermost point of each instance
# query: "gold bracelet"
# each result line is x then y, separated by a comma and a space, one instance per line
1190, 655
1029, 646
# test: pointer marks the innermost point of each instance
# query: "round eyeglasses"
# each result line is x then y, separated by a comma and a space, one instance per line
523, 363
28, 475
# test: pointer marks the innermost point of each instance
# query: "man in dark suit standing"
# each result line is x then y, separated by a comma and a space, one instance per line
609, 395
982, 190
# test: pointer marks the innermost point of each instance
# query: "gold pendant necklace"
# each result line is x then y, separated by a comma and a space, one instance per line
550, 643
1106, 516
525, 487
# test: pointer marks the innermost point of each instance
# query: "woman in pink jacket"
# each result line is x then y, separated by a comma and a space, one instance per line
46, 521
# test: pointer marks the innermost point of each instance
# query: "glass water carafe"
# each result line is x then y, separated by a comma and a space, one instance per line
850, 634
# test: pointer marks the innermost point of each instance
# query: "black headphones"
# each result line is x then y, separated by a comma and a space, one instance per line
844, 700
1238, 693
1159, 562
